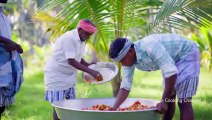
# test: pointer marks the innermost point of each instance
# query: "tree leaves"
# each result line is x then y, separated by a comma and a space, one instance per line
181, 13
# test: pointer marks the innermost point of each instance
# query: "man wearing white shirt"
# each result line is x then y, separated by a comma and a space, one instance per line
60, 73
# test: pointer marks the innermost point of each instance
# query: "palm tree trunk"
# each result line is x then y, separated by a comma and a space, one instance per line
21, 19
116, 82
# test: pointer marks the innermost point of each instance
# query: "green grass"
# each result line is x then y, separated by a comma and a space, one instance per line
30, 104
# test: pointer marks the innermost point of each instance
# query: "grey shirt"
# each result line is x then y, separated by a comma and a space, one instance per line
5, 29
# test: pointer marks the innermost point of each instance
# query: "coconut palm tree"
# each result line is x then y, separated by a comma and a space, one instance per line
125, 18
181, 14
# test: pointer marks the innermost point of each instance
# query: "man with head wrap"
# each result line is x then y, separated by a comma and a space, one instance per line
177, 58
60, 73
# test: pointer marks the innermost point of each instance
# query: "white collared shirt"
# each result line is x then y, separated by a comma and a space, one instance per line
59, 74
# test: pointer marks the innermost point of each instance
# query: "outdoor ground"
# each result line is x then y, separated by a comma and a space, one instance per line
30, 104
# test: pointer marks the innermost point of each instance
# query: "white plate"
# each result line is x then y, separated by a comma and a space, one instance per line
108, 71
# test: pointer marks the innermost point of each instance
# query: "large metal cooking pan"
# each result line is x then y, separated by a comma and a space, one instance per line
72, 110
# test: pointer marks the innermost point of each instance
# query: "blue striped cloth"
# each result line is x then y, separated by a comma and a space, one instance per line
6, 101
188, 71
4, 53
11, 78
52, 96
11, 75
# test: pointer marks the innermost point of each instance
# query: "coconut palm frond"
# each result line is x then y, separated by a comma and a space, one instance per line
192, 13
52, 4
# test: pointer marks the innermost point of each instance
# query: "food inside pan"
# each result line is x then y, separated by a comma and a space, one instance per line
135, 106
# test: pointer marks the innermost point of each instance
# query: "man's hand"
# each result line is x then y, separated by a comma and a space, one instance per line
10, 46
112, 109
96, 75
162, 107
169, 87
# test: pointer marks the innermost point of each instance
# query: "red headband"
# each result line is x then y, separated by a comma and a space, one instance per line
86, 26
